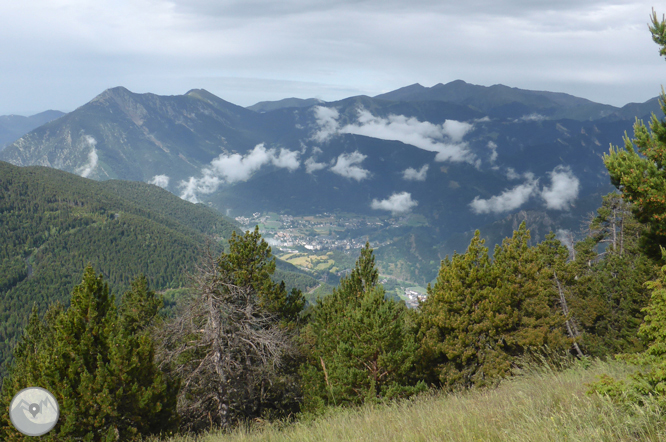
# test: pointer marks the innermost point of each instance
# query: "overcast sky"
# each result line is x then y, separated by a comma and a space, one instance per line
59, 54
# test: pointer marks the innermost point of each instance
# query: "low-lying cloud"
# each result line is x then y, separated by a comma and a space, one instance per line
508, 200
160, 181
493, 148
561, 193
563, 189
396, 203
87, 168
235, 167
311, 165
327, 119
566, 238
347, 166
412, 174
445, 139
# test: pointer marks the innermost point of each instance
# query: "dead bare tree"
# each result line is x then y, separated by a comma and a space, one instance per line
224, 349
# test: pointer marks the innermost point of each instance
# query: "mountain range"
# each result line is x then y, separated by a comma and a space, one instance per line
13, 127
459, 155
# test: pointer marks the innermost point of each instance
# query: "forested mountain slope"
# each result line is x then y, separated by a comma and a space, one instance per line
53, 223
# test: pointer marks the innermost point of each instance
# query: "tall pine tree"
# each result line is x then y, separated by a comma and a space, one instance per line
358, 344
480, 316
98, 364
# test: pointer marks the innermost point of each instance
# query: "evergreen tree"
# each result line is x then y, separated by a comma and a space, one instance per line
250, 262
607, 291
358, 344
480, 316
98, 364
450, 314
650, 380
639, 170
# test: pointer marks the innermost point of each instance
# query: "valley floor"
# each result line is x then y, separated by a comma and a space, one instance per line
541, 405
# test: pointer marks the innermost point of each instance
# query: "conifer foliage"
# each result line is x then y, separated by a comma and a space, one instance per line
639, 170
480, 316
358, 344
98, 362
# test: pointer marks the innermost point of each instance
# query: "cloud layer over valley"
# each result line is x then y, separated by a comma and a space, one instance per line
446, 139
560, 195
396, 204
235, 167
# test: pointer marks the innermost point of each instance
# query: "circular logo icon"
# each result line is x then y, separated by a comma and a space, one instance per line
34, 411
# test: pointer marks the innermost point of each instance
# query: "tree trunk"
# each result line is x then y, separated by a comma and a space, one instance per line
572, 330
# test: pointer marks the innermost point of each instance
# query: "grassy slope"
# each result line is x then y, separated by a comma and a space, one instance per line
539, 406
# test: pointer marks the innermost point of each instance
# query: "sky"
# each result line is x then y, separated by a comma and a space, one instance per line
60, 54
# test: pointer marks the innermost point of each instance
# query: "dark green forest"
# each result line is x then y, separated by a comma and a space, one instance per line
53, 224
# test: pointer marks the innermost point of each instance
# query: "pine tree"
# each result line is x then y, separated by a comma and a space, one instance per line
450, 318
608, 291
358, 344
250, 262
480, 316
639, 170
101, 373
650, 380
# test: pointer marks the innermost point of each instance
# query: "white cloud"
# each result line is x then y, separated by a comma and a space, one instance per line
311, 165
416, 175
160, 181
346, 166
444, 139
562, 192
396, 203
508, 200
565, 238
532, 117
286, 160
235, 167
563, 189
327, 119
197, 186
493, 147
87, 168
511, 173
456, 130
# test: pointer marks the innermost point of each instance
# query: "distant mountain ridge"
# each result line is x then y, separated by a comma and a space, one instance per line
503, 101
459, 155
13, 127
267, 106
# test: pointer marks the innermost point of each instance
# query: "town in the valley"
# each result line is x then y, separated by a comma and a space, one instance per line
328, 243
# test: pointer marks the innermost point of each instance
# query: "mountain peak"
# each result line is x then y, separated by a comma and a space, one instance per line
118, 93
403, 92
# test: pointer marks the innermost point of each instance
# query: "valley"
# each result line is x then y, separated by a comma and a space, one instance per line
327, 244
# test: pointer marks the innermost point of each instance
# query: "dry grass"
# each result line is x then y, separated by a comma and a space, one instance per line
540, 405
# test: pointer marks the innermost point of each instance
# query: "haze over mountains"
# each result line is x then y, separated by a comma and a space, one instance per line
13, 127
460, 155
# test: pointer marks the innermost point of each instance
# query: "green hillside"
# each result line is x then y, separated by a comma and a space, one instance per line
53, 223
